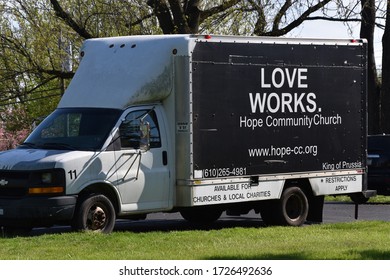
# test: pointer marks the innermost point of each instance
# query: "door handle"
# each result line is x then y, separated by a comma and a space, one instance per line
164, 158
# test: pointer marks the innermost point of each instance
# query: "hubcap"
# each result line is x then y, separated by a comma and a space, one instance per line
96, 218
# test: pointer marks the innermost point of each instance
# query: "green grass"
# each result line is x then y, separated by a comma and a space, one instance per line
379, 199
348, 241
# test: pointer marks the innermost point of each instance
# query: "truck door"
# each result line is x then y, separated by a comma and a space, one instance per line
143, 176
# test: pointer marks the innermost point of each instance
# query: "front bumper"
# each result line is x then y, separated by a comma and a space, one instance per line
36, 211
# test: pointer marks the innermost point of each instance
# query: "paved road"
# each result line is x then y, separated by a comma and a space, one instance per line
334, 212
345, 212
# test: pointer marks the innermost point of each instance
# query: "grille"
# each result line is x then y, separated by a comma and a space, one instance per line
13, 183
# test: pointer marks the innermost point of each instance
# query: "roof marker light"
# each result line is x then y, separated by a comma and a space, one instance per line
207, 37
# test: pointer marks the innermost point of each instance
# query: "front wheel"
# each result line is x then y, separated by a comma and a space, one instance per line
95, 213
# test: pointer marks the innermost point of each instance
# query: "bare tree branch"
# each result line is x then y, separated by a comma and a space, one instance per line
217, 9
261, 22
280, 14
357, 20
69, 20
57, 73
298, 21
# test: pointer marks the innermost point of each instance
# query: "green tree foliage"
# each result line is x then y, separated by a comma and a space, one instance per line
34, 51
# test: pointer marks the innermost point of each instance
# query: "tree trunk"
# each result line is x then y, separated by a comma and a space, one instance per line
385, 90
367, 29
192, 12
163, 15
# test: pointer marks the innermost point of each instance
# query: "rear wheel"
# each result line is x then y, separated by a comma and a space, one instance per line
95, 213
291, 209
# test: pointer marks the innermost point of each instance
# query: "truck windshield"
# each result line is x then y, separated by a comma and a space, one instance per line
82, 129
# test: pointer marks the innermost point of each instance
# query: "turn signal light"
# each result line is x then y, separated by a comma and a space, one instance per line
46, 190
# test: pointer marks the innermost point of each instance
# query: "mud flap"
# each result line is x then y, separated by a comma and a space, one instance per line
316, 207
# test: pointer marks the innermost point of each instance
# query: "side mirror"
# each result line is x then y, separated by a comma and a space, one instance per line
135, 134
144, 142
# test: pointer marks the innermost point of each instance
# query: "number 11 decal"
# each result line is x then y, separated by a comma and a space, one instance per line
72, 174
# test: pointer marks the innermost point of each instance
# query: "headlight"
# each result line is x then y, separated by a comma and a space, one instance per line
47, 178
47, 182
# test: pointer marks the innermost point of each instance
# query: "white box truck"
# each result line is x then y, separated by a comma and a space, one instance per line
196, 124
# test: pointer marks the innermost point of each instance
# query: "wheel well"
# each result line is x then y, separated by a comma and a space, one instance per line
101, 188
304, 184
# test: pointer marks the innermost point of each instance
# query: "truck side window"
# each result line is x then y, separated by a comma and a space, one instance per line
129, 129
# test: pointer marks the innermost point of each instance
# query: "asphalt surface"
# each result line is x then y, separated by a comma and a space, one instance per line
334, 212
345, 212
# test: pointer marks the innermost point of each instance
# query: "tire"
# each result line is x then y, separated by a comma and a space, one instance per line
294, 207
201, 215
95, 213
290, 210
